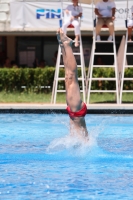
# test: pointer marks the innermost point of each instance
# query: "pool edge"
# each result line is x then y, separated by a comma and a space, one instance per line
61, 108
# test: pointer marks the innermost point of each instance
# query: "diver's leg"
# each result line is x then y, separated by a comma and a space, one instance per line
73, 97
71, 80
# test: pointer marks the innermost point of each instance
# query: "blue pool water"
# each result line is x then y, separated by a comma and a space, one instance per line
39, 160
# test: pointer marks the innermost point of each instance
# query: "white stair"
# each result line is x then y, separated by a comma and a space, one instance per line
123, 78
92, 66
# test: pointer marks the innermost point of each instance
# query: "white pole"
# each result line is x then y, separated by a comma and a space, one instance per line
93, 21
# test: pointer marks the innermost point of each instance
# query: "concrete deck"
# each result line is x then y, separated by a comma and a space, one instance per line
61, 108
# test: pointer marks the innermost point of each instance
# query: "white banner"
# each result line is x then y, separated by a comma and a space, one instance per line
42, 14
45, 15
17, 14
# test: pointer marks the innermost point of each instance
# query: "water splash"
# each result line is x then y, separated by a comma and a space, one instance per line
76, 145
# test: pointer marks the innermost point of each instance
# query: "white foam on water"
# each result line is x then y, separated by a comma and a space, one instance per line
76, 145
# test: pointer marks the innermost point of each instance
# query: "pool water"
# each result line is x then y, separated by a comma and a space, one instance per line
39, 160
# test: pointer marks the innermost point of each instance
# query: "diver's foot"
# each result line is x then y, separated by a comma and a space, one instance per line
63, 39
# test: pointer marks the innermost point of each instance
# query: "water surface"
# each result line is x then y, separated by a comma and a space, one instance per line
39, 160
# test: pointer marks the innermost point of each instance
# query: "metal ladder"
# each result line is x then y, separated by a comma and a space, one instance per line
90, 77
55, 89
123, 78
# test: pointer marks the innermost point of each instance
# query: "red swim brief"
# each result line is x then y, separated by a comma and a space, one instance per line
80, 113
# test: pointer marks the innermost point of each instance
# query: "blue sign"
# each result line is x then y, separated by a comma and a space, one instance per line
48, 13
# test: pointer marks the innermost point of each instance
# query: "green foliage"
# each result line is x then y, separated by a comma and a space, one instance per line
103, 72
128, 85
33, 79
